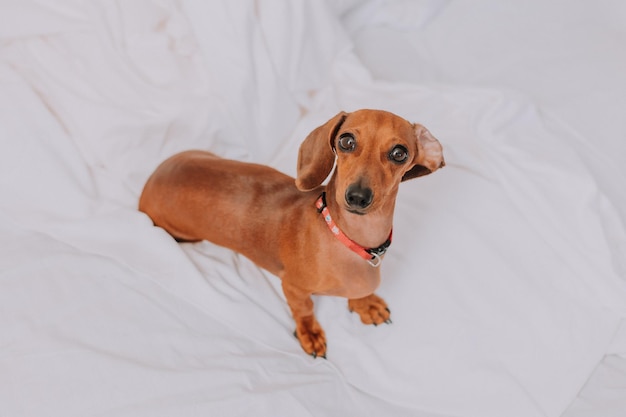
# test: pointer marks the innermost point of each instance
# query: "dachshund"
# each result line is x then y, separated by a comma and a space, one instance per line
323, 240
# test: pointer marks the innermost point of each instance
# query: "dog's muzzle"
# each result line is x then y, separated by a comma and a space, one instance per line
358, 197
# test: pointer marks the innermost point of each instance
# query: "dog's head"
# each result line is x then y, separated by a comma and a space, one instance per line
375, 150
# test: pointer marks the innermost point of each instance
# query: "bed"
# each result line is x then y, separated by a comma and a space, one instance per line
506, 277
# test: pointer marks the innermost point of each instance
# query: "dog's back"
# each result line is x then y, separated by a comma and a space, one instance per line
196, 195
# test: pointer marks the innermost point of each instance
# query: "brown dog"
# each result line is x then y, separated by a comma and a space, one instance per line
283, 225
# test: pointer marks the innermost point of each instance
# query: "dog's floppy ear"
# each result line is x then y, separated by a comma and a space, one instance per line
316, 156
429, 154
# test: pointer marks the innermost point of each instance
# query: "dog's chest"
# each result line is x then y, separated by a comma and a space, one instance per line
352, 279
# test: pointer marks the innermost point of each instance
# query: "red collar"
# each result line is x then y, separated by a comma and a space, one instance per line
371, 255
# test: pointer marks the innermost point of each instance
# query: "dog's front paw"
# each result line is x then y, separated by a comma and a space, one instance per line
311, 336
372, 309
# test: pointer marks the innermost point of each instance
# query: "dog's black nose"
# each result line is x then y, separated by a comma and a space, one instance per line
358, 197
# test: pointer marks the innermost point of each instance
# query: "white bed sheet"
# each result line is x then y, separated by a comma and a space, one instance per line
505, 278
567, 58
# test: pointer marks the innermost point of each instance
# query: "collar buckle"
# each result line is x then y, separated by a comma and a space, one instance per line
376, 260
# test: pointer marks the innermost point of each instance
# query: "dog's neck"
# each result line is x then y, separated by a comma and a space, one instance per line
368, 230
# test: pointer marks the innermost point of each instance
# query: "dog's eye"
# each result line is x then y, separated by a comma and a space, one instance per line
398, 154
347, 142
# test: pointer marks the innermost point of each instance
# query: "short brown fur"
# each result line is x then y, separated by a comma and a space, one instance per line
271, 218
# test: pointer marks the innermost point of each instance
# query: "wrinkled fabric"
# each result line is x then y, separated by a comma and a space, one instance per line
503, 278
